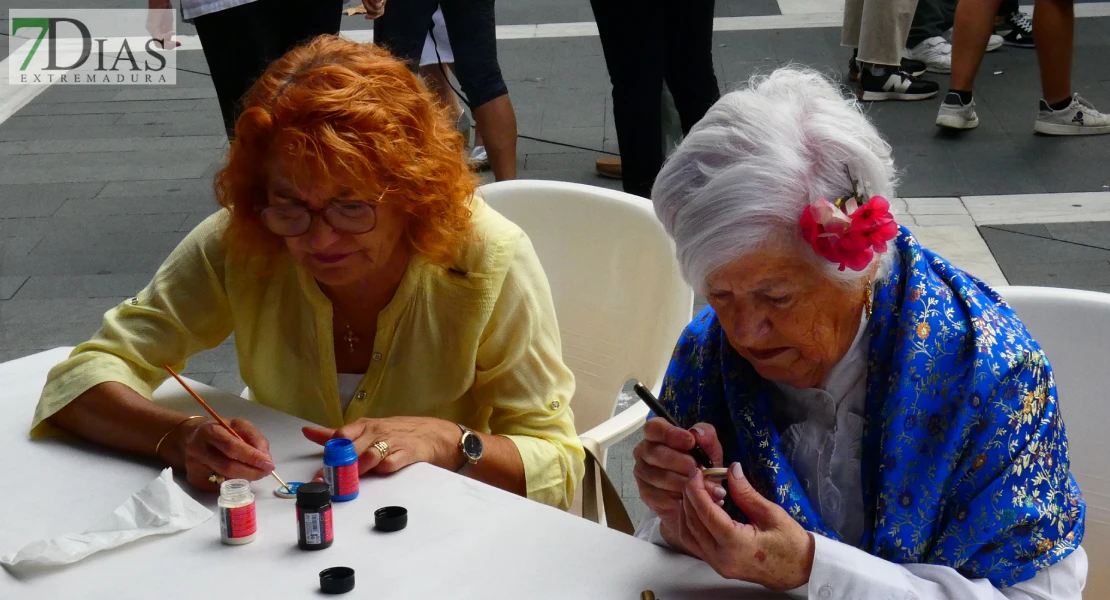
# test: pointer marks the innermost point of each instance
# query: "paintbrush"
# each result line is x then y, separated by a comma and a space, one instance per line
216, 416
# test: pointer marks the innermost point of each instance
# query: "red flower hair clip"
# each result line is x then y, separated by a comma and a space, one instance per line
845, 232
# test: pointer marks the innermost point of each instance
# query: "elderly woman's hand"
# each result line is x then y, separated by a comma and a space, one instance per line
664, 465
773, 550
408, 439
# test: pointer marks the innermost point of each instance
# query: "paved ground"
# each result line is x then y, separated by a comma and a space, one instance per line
97, 185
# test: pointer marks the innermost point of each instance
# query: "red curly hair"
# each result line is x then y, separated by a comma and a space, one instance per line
349, 112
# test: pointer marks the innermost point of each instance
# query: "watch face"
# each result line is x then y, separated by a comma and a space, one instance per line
472, 446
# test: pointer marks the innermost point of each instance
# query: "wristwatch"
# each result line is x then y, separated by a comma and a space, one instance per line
471, 446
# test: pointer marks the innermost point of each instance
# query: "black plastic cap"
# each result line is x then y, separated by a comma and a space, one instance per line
313, 495
337, 580
391, 518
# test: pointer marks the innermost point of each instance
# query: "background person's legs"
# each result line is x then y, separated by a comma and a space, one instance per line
472, 29
689, 61
634, 44
1054, 27
884, 28
240, 42
237, 44
301, 21
931, 19
974, 25
926, 39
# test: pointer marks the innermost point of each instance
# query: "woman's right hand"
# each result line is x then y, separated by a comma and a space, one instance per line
212, 450
664, 465
374, 8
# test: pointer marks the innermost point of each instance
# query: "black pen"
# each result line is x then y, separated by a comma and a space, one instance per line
645, 394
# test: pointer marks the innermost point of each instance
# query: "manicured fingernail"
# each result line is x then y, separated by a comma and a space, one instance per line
721, 503
719, 492
699, 430
737, 471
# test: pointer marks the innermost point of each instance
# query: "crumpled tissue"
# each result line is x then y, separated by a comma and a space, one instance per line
159, 508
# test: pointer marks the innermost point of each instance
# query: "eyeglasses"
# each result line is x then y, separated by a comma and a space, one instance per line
294, 220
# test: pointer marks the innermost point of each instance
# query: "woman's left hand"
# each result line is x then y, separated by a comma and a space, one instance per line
409, 440
773, 550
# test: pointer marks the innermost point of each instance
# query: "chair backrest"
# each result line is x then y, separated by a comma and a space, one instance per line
619, 297
1073, 327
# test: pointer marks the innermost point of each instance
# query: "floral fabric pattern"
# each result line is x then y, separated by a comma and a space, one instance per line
965, 457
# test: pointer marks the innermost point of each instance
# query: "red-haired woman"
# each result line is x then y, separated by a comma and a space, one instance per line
369, 291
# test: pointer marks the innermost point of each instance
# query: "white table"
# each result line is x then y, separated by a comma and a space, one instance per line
464, 539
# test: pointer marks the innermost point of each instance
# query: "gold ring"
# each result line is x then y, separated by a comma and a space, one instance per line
216, 479
383, 448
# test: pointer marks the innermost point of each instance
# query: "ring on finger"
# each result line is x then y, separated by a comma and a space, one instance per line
383, 448
216, 479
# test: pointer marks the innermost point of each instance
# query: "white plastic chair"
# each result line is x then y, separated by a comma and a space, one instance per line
619, 297
1073, 327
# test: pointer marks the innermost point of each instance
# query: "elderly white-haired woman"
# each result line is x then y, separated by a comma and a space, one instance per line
891, 428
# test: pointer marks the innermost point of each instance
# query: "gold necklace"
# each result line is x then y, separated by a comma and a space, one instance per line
350, 337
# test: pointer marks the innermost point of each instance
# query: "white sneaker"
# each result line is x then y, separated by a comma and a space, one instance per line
935, 52
479, 159
957, 115
994, 43
1079, 118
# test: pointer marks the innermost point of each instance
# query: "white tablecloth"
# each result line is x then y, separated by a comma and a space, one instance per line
464, 539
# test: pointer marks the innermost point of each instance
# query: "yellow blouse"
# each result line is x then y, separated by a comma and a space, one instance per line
476, 344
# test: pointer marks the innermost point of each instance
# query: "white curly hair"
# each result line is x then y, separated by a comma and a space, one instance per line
746, 171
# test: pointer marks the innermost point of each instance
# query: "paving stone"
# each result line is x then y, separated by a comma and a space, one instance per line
585, 137
583, 109
1091, 234
564, 160
48, 122
11, 247
83, 286
112, 107
84, 173
219, 359
177, 188
1080, 275
229, 381
1012, 249
203, 122
168, 145
83, 131
203, 377
33, 204
135, 253
165, 93
95, 224
60, 311
10, 285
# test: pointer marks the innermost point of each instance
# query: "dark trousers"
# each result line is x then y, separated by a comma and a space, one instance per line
647, 42
471, 29
934, 17
931, 19
240, 42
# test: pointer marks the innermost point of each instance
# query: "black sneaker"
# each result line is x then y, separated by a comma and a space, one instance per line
915, 68
895, 85
1016, 30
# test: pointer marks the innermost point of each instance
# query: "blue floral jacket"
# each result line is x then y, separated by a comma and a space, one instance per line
965, 458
